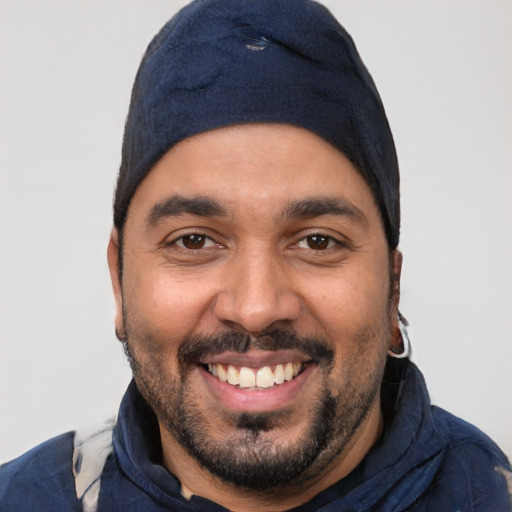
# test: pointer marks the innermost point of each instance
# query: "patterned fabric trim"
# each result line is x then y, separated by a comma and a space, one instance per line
91, 450
508, 477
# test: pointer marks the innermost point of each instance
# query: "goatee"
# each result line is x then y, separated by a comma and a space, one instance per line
246, 454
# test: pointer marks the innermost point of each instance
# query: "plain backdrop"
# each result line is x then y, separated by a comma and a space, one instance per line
444, 70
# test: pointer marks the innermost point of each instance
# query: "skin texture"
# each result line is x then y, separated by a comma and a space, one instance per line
287, 260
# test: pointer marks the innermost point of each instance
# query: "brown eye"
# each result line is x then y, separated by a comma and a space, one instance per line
318, 242
193, 241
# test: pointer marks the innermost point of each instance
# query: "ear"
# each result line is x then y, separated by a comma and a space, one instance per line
397, 272
396, 340
115, 277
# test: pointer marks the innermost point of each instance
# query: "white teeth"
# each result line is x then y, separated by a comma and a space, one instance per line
279, 374
232, 375
265, 377
262, 377
246, 379
223, 376
288, 371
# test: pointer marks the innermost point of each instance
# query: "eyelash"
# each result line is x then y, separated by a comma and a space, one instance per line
331, 241
204, 239
180, 241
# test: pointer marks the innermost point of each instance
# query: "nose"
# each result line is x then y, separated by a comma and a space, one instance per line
257, 293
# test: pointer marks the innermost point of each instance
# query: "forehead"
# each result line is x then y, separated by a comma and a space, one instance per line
258, 166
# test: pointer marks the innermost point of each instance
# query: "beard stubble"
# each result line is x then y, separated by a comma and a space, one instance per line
241, 448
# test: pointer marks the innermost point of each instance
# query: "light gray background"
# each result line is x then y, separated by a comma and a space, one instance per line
66, 68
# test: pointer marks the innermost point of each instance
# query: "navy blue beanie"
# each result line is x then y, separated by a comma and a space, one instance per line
225, 62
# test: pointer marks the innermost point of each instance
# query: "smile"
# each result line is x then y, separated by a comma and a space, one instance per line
265, 377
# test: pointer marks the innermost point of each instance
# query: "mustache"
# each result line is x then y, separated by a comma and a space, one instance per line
193, 349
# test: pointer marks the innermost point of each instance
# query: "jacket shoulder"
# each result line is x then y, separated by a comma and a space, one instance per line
474, 465
41, 479
465, 438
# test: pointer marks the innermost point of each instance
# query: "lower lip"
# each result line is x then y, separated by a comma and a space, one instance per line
256, 400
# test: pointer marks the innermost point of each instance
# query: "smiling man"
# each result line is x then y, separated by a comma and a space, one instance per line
256, 275
271, 378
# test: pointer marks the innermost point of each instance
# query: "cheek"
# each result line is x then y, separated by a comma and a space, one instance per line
350, 301
160, 303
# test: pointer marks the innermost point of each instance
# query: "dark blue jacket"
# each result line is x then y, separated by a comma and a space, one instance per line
426, 461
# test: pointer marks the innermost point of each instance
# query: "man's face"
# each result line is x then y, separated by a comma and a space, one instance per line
256, 304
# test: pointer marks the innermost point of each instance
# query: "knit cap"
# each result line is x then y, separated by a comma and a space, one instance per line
224, 62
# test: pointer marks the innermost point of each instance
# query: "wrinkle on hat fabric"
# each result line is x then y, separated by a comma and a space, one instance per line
220, 63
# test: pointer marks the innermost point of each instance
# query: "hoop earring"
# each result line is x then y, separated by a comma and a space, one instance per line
403, 325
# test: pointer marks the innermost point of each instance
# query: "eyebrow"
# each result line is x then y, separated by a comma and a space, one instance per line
177, 205
201, 206
315, 207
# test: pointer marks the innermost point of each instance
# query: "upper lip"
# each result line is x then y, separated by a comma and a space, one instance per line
256, 358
